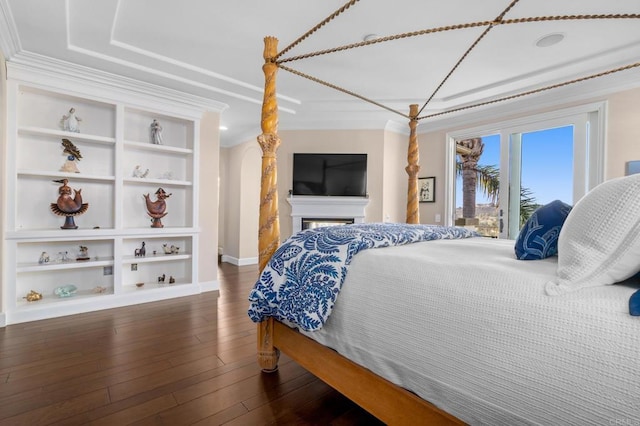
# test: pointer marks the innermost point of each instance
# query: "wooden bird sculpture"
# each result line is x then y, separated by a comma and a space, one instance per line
156, 209
68, 204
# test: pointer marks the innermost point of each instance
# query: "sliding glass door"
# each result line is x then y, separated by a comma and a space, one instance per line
498, 177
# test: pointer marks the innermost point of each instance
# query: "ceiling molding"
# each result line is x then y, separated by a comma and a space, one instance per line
9, 39
579, 92
25, 65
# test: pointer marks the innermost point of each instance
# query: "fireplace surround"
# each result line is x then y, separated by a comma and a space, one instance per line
326, 209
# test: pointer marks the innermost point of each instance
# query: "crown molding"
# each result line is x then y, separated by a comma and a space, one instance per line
585, 91
34, 68
9, 40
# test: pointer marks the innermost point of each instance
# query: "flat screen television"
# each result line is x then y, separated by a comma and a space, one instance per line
330, 174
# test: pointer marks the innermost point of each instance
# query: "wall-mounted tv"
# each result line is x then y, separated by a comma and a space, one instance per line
330, 174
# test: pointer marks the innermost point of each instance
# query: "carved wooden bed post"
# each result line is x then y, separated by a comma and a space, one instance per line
269, 223
413, 156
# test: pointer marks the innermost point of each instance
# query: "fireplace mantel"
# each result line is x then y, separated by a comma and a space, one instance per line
305, 206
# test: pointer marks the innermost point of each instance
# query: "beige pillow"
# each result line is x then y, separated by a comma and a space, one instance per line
599, 243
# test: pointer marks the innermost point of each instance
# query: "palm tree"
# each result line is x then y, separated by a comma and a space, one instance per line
487, 179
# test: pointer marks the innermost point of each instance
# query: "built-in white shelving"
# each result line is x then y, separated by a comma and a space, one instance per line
114, 140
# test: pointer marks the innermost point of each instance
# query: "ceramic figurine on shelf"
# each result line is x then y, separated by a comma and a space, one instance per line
161, 278
73, 156
83, 253
71, 122
68, 205
33, 296
156, 209
44, 258
140, 252
139, 173
155, 131
172, 280
65, 290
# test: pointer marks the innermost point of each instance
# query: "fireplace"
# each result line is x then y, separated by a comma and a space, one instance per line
329, 210
317, 222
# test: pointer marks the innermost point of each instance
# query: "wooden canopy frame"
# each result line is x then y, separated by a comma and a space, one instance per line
388, 402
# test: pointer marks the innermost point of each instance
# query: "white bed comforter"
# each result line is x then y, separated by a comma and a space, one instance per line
466, 326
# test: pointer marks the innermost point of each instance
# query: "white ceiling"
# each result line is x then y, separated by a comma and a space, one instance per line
213, 49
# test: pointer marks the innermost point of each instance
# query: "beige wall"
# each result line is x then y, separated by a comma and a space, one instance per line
623, 132
208, 201
387, 179
394, 185
3, 150
370, 142
240, 182
432, 159
240, 193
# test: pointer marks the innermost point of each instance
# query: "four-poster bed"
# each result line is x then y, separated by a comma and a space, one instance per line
384, 399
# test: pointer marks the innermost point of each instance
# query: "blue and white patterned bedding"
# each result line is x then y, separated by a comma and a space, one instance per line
302, 280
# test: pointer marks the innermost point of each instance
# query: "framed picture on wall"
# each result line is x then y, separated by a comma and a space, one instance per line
427, 189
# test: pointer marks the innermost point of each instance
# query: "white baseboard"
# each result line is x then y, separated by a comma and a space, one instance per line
3, 320
240, 262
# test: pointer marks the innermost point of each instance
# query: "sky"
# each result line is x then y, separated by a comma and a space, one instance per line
547, 164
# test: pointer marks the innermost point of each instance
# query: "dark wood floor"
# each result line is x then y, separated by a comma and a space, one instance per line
177, 362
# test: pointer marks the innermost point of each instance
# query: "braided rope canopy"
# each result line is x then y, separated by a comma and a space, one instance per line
487, 25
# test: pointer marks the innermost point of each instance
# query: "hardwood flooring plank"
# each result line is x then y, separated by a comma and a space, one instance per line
182, 361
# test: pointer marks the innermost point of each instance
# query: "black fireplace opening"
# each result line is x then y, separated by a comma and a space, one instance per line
317, 222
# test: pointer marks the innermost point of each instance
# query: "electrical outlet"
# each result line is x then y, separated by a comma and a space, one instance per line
438, 218
134, 266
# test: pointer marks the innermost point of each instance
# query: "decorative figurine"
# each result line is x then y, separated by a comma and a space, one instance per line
155, 131
70, 122
168, 175
170, 249
161, 278
44, 258
99, 289
140, 252
139, 173
65, 290
139, 284
63, 256
172, 280
73, 155
83, 253
33, 296
156, 209
67, 205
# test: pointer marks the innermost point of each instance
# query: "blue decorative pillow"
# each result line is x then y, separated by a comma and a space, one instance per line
538, 238
634, 304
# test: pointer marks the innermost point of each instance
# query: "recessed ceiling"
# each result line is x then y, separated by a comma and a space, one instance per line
214, 50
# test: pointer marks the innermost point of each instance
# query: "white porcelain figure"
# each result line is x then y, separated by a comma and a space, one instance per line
156, 132
70, 122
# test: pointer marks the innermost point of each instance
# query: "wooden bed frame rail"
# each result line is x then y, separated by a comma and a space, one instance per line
388, 402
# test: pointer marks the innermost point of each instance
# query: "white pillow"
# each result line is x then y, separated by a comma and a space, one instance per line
599, 243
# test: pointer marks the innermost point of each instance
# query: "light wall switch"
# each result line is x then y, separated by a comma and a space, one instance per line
438, 218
